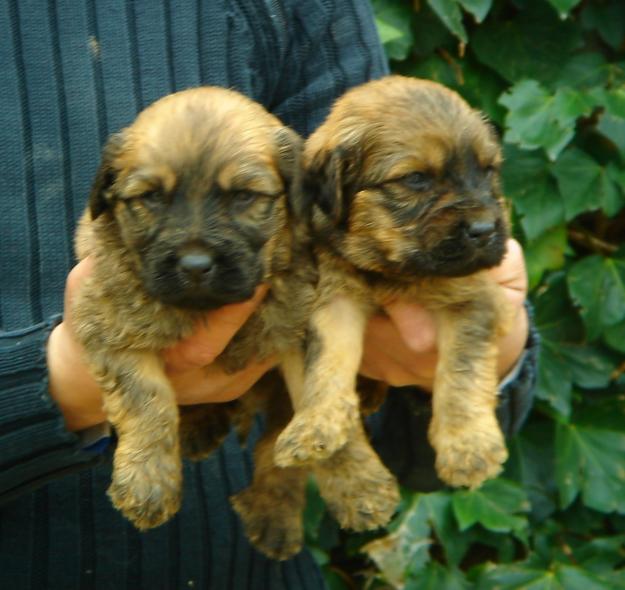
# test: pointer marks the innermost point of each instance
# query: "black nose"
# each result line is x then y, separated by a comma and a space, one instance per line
480, 231
197, 264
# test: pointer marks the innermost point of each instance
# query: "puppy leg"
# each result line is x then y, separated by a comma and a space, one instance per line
326, 407
203, 428
358, 489
141, 406
271, 508
464, 431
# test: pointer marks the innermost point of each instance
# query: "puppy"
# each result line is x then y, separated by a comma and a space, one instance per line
193, 206
405, 197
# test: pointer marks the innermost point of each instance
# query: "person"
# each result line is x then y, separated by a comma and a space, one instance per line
74, 72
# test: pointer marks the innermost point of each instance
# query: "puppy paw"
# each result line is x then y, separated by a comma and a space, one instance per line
147, 493
272, 523
363, 498
469, 457
314, 435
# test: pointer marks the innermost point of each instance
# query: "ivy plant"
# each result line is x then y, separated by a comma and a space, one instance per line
550, 74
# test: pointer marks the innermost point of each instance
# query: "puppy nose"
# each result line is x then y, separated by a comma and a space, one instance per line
196, 263
480, 231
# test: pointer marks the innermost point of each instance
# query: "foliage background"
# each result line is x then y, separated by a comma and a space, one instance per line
551, 75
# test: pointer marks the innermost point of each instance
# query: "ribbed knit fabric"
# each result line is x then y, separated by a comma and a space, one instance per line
72, 72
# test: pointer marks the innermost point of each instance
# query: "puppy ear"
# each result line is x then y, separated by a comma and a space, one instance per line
290, 146
330, 181
100, 195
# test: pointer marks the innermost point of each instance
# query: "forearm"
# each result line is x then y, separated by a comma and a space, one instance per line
35, 444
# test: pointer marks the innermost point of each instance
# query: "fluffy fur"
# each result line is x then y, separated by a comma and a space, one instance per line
194, 205
405, 200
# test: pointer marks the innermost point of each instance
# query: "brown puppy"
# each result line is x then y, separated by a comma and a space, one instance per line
193, 206
406, 203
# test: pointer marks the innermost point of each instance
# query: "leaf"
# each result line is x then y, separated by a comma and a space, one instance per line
539, 119
429, 32
555, 381
590, 462
597, 285
533, 190
406, 548
614, 129
615, 336
590, 367
586, 186
531, 464
564, 6
387, 31
478, 8
498, 505
533, 44
607, 19
434, 576
393, 19
449, 12
544, 253
557, 577
584, 71
601, 553
559, 326
313, 512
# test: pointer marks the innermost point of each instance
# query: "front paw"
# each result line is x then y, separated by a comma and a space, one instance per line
272, 522
361, 496
314, 435
147, 492
469, 456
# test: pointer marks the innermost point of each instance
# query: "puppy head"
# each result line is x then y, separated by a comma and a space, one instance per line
198, 190
404, 180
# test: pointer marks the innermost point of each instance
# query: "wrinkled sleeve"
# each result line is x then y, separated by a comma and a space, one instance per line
35, 446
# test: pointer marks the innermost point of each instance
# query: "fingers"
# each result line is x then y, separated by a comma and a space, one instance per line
400, 348
212, 336
211, 384
387, 358
511, 273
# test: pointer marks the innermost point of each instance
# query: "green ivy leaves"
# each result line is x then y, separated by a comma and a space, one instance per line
403, 556
590, 462
539, 119
597, 285
550, 74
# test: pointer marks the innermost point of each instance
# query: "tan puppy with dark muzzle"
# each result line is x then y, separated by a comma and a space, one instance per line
406, 204
194, 205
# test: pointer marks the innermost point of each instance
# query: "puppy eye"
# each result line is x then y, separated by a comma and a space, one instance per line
417, 181
490, 170
244, 198
151, 197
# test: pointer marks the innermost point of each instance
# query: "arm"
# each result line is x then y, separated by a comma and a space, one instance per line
48, 397
35, 445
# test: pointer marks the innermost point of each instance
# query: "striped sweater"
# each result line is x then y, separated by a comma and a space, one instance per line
74, 71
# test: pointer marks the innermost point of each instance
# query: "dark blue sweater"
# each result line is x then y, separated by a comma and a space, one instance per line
73, 71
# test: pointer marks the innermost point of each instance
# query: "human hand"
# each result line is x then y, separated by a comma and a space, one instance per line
400, 348
188, 364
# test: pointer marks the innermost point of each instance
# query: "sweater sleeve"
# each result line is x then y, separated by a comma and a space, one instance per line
35, 446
